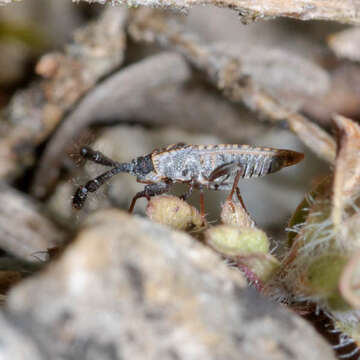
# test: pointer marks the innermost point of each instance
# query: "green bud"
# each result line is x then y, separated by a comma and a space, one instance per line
231, 240
323, 276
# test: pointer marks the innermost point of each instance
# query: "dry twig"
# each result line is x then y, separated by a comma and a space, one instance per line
345, 11
226, 73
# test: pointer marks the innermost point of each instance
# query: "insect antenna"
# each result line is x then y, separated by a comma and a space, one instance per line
94, 184
97, 157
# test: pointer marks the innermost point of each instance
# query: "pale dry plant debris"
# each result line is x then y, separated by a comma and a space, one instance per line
346, 44
140, 280
343, 97
344, 11
226, 73
24, 228
347, 170
290, 78
34, 113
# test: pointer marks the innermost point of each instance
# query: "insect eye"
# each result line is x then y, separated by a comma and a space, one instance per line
144, 165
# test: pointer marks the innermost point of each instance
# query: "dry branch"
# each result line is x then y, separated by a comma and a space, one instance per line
34, 113
344, 11
226, 73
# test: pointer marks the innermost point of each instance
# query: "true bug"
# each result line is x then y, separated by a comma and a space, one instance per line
216, 167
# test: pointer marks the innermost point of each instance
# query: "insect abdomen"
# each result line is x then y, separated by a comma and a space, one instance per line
262, 164
256, 166
251, 165
192, 161
252, 162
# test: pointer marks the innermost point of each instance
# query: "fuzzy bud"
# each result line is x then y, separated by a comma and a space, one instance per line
233, 213
263, 266
322, 278
231, 240
174, 212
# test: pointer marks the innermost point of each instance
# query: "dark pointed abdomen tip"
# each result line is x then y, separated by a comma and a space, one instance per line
292, 157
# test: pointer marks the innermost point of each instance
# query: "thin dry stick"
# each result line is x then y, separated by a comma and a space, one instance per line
226, 73
344, 11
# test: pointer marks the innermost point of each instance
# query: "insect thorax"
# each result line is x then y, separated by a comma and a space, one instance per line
177, 165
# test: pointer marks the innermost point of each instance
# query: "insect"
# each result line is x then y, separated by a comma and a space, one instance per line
215, 167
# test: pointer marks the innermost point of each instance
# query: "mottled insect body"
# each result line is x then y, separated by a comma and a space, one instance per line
217, 167
201, 163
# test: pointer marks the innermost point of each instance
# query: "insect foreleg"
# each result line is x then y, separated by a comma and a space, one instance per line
149, 191
91, 186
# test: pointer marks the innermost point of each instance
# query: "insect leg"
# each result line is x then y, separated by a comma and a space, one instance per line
202, 203
235, 187
240, 198
92, 185
188, 192
149, 191
222, 170
96, 157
